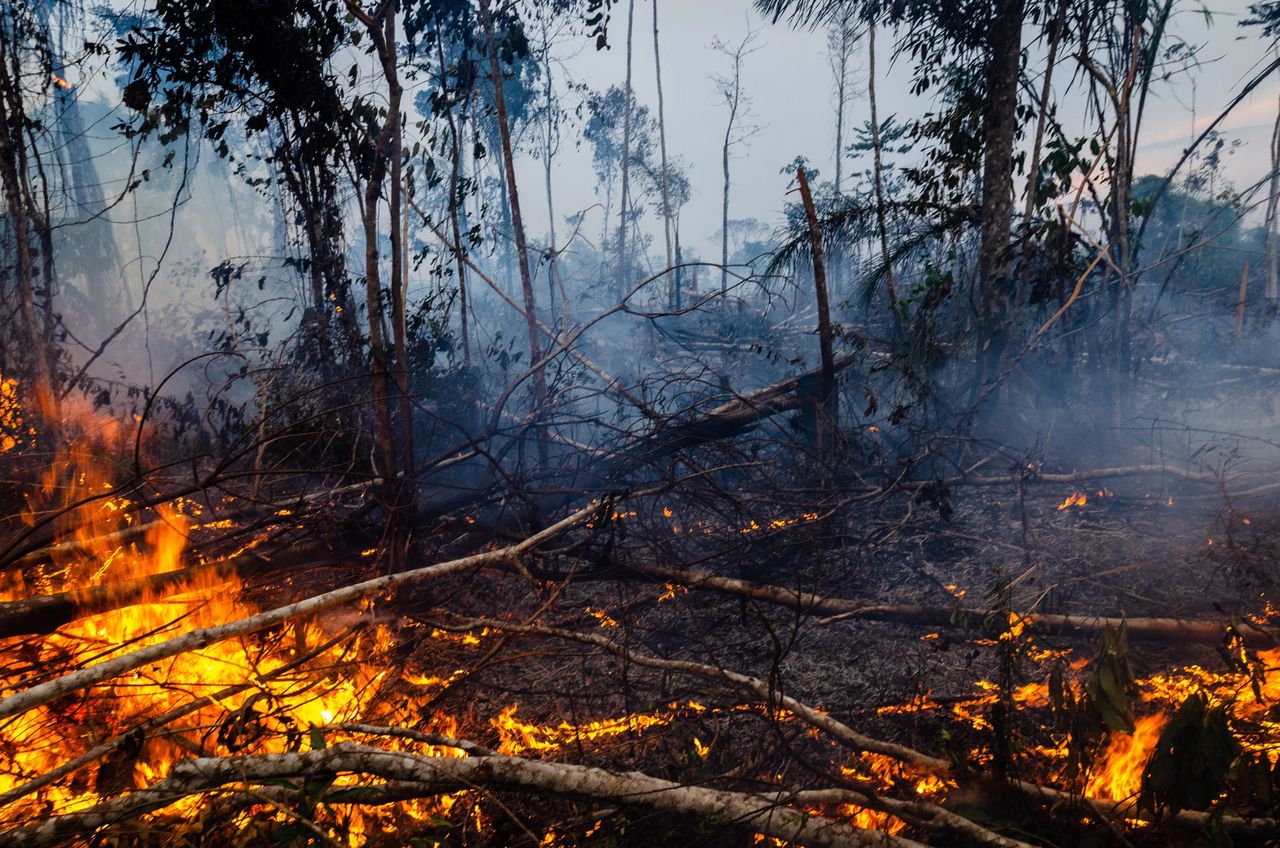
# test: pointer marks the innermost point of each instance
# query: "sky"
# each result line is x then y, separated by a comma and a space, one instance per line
789, 83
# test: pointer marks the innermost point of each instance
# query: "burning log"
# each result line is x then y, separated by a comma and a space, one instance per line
427, 776
1172, 630
141, 731
46, 613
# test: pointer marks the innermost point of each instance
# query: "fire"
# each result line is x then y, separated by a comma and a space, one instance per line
1074, 499
12, 431
60, 82
1119, 775
519, 737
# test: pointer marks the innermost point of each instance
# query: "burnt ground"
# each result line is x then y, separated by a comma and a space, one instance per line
1142, 548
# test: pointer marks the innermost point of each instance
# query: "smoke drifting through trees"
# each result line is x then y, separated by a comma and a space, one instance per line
344, 504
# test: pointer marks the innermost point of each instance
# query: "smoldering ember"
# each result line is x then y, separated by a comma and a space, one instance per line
639, 423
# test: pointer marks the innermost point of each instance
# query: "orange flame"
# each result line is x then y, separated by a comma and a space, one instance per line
1074, 499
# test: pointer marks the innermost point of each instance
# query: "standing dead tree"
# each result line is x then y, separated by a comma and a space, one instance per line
736, 132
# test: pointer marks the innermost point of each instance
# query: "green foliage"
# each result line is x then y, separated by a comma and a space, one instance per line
1192, 759
1111, 682
1103, 705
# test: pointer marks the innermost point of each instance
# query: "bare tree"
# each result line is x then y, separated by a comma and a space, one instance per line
736, 131
841, 38
626, 157
1271, 223
878, 177
662, 142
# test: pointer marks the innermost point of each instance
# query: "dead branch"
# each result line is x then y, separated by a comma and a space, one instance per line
43, 693
739, 414
763, 813
103, 749
1173, 630
921, 812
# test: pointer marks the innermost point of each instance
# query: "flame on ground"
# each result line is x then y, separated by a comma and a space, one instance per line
1119, 774
1074, 499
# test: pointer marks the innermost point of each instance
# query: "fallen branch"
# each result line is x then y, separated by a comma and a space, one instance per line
1199, 631
51, 690
921, 812
141, 730
762, 813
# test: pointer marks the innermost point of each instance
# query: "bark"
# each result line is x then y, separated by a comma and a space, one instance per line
762, 813
517, 223
827, 411
998, 131
1172, 630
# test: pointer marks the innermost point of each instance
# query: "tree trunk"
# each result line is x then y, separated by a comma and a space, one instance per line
626, 161
662, 145
998, 131
891, 290
724, 206
549, 147
827, 412
399, 264
517, 223
1271, 224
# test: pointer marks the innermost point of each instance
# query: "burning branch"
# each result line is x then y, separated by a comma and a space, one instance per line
414, 775
43, 693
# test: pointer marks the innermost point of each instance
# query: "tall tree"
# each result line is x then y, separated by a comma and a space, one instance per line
943, 37
842, 35
624, 222
540, 395
662, 147
738, 106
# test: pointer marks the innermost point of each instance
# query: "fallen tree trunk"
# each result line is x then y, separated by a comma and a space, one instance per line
759, 812
736, 415
1198, 631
